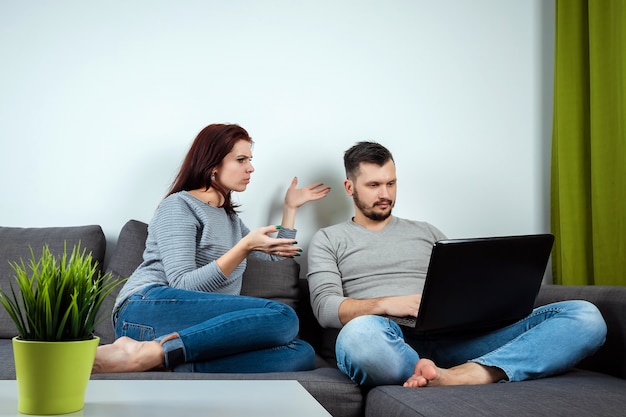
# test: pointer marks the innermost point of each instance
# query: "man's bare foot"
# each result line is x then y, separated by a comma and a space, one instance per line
470, 373
128, 355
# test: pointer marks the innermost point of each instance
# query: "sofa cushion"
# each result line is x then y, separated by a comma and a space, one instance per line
275, 280
128, 253
576, 393
7, 362
611, 357
126, 257
15, 245
310, 329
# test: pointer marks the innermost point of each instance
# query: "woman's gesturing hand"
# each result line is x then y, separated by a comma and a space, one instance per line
260, 240
296, 197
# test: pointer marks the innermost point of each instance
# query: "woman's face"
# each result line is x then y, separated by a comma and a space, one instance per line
234, 171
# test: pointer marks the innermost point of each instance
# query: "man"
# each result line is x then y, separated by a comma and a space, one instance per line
371, 265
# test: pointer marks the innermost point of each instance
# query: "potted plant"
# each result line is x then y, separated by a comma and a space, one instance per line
55, 309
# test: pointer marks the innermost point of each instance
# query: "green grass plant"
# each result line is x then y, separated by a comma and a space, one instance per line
57, 299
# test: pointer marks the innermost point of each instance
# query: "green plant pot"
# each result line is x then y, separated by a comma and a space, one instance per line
52, 377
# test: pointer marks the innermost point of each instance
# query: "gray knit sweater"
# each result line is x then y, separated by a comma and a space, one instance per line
349, 261
185, 237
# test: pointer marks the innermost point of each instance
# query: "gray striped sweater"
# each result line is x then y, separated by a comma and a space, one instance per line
185, 237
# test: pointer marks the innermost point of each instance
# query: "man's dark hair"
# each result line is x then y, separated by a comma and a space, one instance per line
370, 152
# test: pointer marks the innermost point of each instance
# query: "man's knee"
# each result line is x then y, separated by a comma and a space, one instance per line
361, 329
590, 321
372, 350
365, 337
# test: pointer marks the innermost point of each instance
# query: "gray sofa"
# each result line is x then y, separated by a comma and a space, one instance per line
596, 387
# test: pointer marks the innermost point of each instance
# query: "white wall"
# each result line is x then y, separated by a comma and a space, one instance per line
100, 100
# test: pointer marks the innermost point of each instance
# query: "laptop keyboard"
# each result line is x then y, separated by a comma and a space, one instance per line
403, 321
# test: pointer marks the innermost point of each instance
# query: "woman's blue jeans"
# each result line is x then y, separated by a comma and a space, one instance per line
372, 350
210, 332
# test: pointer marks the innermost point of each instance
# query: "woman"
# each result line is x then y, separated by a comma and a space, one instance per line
181, 309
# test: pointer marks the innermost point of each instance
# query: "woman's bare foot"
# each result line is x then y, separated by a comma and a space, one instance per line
128, 355
470, 373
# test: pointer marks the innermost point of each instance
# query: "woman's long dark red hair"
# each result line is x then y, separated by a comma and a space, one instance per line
207, 151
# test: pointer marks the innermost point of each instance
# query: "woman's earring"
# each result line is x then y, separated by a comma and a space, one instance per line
213, 176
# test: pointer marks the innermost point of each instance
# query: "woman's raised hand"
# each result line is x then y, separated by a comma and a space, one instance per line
296, 197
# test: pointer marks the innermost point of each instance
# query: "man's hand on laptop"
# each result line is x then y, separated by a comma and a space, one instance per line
401, 306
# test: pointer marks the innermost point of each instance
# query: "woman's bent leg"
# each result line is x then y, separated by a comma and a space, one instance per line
199, 327
297, 355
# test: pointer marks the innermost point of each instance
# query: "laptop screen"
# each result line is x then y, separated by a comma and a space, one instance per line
477, 285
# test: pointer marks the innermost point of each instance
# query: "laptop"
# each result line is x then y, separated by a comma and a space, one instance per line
481, 284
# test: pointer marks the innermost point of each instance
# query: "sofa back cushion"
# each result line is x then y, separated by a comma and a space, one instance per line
275, 280
611, 301
16, 243
126, 257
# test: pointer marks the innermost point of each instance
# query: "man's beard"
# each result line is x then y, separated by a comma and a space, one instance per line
369, 211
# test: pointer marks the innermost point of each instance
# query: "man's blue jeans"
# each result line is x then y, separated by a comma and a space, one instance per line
216, 332
372, 350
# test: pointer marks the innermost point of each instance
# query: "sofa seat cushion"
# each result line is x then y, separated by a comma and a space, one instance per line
578, 392
331, 388
16, 244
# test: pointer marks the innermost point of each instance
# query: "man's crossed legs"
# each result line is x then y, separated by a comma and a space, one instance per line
372, 350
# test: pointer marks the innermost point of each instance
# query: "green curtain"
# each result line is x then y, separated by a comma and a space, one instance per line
588, 179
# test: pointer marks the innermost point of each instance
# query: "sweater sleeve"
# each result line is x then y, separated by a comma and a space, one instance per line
325, 284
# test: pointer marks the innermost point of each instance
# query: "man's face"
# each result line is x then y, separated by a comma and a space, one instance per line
374, 190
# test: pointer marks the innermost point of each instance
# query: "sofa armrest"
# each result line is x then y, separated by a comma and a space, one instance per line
611, 300
16, 244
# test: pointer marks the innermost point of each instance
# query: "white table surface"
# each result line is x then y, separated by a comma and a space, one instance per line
182, 398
